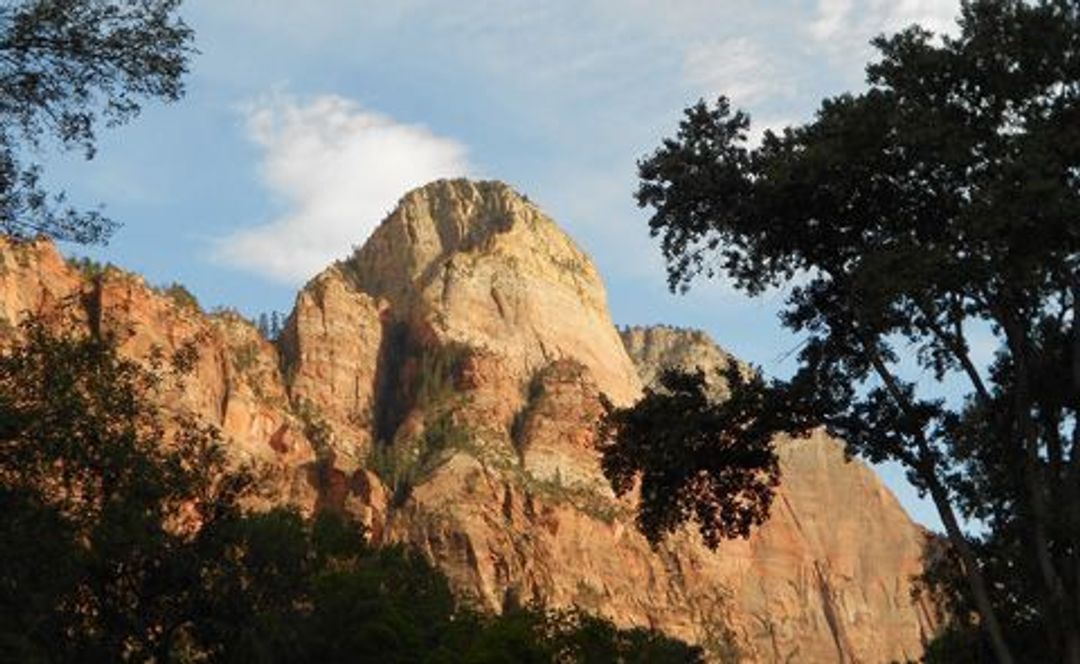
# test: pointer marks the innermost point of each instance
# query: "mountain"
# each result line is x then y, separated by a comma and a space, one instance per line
441, 384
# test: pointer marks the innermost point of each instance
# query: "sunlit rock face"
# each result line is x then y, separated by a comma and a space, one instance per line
234, 381
476, 263
442, 385
828, 577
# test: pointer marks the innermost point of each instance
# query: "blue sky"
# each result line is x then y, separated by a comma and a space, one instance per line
305, 121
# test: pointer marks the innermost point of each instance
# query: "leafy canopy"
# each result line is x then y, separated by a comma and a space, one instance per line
66, 68
697, 457
932, 215
126, 538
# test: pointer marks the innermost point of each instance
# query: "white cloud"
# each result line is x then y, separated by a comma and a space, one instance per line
845, 27
737, 68
339, 168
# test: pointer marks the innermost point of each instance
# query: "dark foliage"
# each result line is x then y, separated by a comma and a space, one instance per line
697, 458
101, 495
937, 210
425, 377
66, 68
124, 539
271, 325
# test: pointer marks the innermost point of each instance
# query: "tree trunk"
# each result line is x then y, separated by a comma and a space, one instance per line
972, 570
928, 472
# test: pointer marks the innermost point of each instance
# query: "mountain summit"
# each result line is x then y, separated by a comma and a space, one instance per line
442, 384
480, 265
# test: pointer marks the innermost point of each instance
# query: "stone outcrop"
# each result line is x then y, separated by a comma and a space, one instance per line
837, 549
656, 348
233, 382
330, 347
442, 384
476, 263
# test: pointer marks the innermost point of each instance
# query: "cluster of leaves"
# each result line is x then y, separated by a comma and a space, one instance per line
536, 635
103, 502
943, 200
124, 539
66, 67
696, 457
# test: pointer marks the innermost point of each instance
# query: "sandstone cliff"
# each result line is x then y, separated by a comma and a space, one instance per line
475, 263
835, 558
442, 384
234, 383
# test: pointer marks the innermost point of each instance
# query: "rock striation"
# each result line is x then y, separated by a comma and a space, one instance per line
442, 384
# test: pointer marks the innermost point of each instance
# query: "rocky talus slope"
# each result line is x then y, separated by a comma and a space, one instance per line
442, 384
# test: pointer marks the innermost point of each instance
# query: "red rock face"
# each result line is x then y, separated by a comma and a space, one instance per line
331, 346
442, 385
234, 382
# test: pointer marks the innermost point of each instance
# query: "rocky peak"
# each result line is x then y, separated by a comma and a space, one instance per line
656, 348
469, 294
428, 225
476, 263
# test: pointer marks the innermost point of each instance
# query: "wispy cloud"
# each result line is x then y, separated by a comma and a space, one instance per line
845, 27
338, 168
738, 68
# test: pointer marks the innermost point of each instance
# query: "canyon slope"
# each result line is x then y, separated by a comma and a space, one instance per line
442, 383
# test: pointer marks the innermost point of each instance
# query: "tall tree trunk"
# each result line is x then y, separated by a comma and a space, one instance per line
927, 471
1059, 612
972, 571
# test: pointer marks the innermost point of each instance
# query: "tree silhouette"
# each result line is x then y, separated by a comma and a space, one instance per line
66, 68
125, 538
109, 504
937, 211
697, 457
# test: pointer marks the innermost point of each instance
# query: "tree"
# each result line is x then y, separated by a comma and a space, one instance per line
936, 212
125, 538
67, 67
111, 508
696, 455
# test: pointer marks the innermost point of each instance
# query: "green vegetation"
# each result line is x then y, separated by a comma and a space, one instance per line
121, 542
408, 462
933, 214
318, 431
89, 268
66, 69
584, 498
534, 393
245, 356
678, 425
438, 369
180, 296
430, 385
230, 314
271, 325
